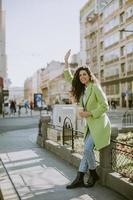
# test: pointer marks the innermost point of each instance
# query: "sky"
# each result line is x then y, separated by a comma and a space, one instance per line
37, 32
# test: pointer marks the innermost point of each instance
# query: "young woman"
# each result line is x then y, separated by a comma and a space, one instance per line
88, 92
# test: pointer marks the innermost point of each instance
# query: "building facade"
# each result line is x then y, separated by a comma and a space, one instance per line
28, 90
36, 81
32, 85
44, 84
87, 10
109, 48
54, 88
117, 53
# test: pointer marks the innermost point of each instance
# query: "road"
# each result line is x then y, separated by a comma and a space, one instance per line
17, 123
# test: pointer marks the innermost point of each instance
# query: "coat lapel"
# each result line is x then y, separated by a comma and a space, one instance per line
88, 93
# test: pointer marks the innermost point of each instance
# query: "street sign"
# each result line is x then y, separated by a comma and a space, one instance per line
5, 92
37, 100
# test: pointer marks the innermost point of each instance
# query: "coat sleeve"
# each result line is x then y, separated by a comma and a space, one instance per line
68, 75
102, 102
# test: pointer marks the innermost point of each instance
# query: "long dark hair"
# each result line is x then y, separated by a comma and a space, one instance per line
78, 87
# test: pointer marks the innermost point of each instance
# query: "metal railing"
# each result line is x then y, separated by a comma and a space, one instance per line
69, 137
121, 118
127, 120
65, 134
68, 132
122, 159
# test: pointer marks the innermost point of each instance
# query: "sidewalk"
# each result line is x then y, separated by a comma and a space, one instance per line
38, 174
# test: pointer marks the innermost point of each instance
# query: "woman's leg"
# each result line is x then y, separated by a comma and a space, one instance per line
88, 161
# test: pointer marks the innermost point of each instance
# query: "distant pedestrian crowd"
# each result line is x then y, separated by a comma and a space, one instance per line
14, 107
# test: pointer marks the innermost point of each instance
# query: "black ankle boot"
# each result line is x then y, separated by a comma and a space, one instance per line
93, 178
78, 182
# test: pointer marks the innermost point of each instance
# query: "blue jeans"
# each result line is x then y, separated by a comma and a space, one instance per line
88, 160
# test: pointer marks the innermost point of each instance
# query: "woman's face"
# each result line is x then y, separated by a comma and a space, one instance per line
84, 77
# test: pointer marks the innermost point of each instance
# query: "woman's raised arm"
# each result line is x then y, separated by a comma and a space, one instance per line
66, 57
67, 72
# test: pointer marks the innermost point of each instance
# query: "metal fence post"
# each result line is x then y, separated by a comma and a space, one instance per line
67, 124
72, 140
63, 142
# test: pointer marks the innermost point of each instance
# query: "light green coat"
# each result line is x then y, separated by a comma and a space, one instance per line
97, 104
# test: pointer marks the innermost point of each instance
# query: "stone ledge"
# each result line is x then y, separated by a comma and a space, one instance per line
63, 152
111, 180
120, 185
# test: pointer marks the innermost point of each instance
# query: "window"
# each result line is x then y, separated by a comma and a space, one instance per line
122, 35
130, 48
111, 24
117, 88
102, 74
122, 17
129, 12
130, 29
121, 2
114, 5
111, 71
122, 50
112, 89
112, 55
122, 68
101, 45
101, 30
101, 58
112, 39
130, 65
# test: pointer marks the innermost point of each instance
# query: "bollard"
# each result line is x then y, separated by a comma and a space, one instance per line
42, 133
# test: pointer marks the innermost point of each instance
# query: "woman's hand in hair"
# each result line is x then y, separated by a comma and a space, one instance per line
85, 114
66, 57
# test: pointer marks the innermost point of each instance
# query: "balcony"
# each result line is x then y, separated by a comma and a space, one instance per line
130, 73
117, 79
111, 60
113, 77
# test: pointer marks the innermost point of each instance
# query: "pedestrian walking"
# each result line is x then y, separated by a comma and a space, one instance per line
26, 105
31, 106
12, 107
89, 94
19, 108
